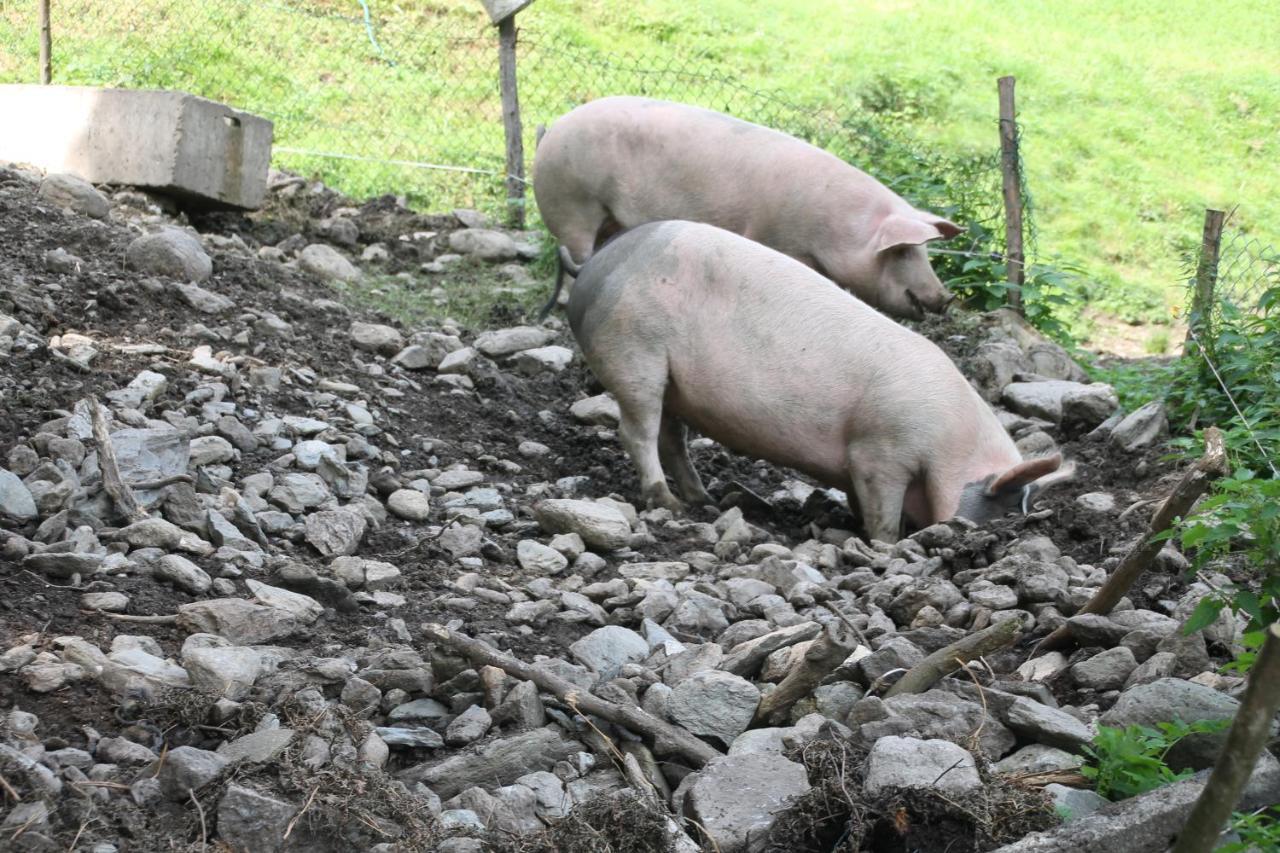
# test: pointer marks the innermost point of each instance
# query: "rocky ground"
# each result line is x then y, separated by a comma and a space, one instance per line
266, 648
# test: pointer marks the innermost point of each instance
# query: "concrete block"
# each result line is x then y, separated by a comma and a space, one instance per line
198, 150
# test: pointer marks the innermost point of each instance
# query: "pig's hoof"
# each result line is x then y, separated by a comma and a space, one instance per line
666, 500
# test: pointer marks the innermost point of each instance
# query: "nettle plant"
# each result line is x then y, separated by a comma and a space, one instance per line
1125, 762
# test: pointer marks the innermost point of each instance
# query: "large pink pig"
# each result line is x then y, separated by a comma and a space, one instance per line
619, 162
690, 324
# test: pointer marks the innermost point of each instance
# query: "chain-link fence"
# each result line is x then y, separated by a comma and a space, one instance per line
1247, 270
374, 97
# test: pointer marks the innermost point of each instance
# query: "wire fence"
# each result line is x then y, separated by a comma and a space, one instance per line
1247, 270
374, 97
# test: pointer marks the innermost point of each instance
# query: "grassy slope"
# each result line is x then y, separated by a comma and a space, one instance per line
1136, 115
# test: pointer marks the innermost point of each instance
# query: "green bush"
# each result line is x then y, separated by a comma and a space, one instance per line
1125, 762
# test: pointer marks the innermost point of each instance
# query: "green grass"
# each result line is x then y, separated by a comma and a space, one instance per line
466, 294
1135, 115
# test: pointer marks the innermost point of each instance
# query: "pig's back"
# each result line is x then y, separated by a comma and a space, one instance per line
649, 160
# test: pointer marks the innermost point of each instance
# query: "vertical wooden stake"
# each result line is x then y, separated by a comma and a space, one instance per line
1206, 275
46, 45
511, 120
1010, 168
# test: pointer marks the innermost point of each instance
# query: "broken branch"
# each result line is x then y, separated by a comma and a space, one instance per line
1211, 466
111, 480
823, 656
948, 659
668, 739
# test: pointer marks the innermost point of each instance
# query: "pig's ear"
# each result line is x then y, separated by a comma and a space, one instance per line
898, 230
1024, 474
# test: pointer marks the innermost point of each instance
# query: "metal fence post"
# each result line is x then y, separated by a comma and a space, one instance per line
1010, 168
46, 45
1206, 275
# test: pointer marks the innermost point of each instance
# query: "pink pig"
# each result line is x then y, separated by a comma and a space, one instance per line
690, 324
619, 162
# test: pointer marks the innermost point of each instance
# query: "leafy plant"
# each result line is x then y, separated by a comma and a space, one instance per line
1258, 830
982, 283
1125, 762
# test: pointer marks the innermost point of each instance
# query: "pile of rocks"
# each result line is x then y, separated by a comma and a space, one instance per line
298, 517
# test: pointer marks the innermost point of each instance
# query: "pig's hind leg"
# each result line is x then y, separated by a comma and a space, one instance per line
640, 404
673, 450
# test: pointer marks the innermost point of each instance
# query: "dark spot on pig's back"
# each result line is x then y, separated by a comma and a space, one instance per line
641, 250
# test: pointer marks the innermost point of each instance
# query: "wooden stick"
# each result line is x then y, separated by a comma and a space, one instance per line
167, 619
1206, 276
1212, 465
111, 480
1010, 169
667, 739
947, 660
511, 120
1245, 742
46, 45
823, 656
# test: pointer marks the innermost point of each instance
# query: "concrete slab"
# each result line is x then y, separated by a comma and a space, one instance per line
199, 150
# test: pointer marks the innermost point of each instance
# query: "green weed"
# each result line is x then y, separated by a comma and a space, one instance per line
1125, 762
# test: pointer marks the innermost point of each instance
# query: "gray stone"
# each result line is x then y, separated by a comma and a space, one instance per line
304, 608
204, 301
1036, 758
16, 502
419, 709
374, 337
895, 653
941, 715
1103, 503
240, 621
504, 342
1105, 671
416, 737
409, 504
149, 454
715, 704
298, 492
462, 540
496, 762
326, 263
119, 750
769, 741
170, 252
1038, 722
1084, 408
549, 359
257, 747
187, 769
1141, 428
605, 650
747, 657
1041, 399
249, 820
735, 799
539, 559
110, 602
601, 410
600, 526
1074, 803
483, 243
63, 564
183, 573
903, 762
1159, 665
211, 450
74, 192
1092, 629
471, 725
228, 671
1172, 699
335, 532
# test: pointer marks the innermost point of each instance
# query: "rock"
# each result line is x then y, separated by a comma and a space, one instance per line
186, 769
63, 564
257, 747
462, 540
249, 820
471, 725
119, 750
183, 573
1036, 758
170, 252
335, 532
416, 737
746, 657
904, 762
149, 454
158, 533
1103, 503
605, 650
339, 229
1073, 803
204, 301
1045, 399
409, 504
939, 714
1141, 428
228, 671
601, 410
210, 450
601, 527
110, 602
1175, 699
496, 762
483, 243
551, 359
503, 342
893, 654
540, 560
461, 361
373, 337
1084, 408
1159, 665
16, 502
326, 263
298, 492
1105, 671
735, 799
235, 619
1043, 724
715, 704
301, 607
1093, 630
74, 192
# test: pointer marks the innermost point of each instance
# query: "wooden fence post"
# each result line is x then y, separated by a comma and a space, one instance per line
511, 120
1206, 275
46, 45
1010, 169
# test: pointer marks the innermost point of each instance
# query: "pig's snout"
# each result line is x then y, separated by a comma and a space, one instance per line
933, 302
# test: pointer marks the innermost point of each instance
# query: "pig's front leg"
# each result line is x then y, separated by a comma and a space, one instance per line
673, 450
880, 489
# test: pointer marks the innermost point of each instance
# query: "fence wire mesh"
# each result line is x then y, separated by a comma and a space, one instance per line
374, 97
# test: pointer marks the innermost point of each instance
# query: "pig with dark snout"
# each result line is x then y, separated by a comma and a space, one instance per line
688, 324
619, 162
